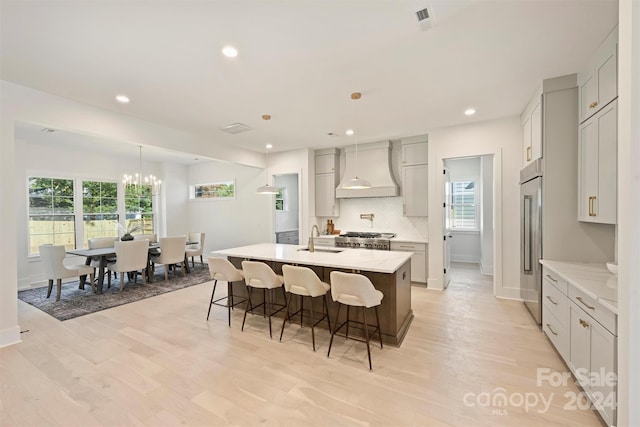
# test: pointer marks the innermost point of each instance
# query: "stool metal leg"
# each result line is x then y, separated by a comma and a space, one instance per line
287, 301
229, 300
326, 310
249, 305
378, 322
334, 332
313, 334
301, 309
269, 297
215, 283
366, 334
347, 334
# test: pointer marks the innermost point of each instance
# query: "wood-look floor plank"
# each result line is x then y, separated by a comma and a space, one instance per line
159, 362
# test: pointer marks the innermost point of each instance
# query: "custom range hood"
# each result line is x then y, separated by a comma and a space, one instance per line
374, 164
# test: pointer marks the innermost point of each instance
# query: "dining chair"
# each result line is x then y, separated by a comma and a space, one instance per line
52, 257
152, 238
172, 252
131, 256
195, 249
355, 290
304, 282
260, 275
99, 243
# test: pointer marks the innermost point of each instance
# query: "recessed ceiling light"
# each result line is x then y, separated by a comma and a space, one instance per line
469, 111
230, 51
123, 99
269, 146
349, 132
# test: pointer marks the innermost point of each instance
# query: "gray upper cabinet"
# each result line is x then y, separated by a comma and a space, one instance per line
531, 119
415, 175
598, 83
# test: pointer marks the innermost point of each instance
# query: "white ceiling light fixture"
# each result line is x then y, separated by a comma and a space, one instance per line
230, 51
356, 183
123, 99
349, 132
469, 111
267, 189
140, 185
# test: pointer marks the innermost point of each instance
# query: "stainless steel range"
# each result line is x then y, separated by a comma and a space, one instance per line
352, 239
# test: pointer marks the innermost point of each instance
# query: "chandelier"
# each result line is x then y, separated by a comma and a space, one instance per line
136, 183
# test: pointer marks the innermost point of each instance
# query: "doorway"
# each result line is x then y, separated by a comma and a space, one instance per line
286, 209
468, 222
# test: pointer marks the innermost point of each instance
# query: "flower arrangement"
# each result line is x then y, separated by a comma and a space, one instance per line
125, 232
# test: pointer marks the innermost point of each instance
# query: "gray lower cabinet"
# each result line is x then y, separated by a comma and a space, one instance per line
418, 259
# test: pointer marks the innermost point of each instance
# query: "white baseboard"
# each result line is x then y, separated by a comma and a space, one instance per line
462, 258
10, 336
486, 269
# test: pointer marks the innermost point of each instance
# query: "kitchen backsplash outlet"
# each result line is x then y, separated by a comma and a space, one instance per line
387, 217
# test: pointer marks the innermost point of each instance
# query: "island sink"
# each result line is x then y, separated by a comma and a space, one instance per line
328, 250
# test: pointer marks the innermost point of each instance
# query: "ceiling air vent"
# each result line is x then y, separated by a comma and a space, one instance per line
235, 128
422, 14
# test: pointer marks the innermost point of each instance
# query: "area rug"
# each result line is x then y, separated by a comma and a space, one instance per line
76, 302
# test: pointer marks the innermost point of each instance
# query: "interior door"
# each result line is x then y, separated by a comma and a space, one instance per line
446, 228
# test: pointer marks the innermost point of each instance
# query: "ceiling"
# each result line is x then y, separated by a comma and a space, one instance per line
299, 61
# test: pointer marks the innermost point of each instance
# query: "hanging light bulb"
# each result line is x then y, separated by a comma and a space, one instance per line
356, 183
267, 189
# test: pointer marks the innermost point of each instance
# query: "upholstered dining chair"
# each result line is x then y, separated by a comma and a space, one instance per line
52, 257
304, 282
196, 249
131, 256
172, 250
355, 290
99, 243
260, 275
152, 238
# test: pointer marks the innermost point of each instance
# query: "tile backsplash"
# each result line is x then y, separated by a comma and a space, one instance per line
387, 213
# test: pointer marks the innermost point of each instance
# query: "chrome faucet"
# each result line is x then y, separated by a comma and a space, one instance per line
310, 244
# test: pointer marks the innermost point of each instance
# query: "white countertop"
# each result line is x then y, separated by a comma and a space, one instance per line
593, 279
356, 259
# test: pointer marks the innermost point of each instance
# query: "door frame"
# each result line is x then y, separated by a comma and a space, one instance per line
436, 220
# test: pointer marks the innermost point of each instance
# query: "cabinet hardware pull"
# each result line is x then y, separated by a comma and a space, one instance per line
593, 104
585, 304
584, 323
528, 153
552, 301
551, 329
592, 208
552, 279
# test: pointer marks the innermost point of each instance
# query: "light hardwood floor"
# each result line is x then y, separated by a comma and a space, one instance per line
158, 362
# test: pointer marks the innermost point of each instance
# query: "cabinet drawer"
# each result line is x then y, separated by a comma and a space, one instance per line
408, 247
556, 302
594, 309
556, 331
554, 278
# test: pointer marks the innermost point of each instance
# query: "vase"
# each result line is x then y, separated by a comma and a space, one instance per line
125, 237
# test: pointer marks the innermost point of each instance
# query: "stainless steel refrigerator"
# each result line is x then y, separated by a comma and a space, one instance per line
531, 238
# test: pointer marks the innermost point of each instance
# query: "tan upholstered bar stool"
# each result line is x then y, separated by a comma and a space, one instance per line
304, 282
260, 275
222, 269
355, 290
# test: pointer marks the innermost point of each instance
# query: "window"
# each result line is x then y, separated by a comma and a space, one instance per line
99, 209
215, 190
51, 213
280, 199
464, 206
138, 203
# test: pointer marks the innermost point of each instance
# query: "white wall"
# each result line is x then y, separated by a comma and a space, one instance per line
628, 214
501, 138
486, 216
465, 244
287, 219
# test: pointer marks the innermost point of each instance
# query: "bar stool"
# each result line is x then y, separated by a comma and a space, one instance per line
260, 275
222, 269
304, 282
355, 290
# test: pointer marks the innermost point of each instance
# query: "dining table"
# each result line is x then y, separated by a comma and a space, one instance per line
104, 254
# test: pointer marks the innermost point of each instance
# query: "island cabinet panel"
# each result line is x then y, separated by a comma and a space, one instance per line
395, 311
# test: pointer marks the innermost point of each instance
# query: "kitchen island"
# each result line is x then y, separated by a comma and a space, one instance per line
389, 271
